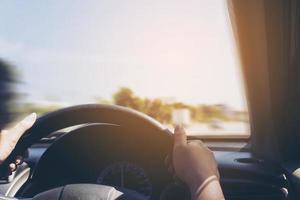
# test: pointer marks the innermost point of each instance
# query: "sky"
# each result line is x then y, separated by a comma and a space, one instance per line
72, 51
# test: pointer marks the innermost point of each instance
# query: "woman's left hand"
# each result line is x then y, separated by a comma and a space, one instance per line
9, 139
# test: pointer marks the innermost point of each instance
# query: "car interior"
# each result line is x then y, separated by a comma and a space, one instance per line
85, 150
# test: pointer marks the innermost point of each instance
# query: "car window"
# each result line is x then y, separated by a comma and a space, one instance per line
173, 60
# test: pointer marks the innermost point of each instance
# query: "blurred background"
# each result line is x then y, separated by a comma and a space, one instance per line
174, 60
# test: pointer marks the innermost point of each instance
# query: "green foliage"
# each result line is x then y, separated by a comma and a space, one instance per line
158, 110
125, 97
154, 108
162, 111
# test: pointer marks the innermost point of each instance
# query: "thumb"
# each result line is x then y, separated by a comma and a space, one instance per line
179, 136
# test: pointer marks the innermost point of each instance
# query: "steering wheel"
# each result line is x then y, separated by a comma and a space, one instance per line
83, 114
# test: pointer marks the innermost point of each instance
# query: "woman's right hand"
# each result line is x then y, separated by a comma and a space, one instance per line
194, 164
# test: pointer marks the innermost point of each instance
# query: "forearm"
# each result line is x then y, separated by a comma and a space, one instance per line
212, 191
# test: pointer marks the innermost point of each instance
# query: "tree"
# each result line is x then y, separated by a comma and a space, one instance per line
125, 97
162, 111
154, 108
159, 110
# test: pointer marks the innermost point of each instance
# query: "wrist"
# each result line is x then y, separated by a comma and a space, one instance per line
210, 189
196, 182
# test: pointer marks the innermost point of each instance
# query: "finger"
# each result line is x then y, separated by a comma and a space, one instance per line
179, 136
24, 125
12, 167
197, 143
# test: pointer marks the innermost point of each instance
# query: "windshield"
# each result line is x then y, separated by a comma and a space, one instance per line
173, 60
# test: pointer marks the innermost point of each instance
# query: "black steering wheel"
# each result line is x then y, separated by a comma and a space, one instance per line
83, 114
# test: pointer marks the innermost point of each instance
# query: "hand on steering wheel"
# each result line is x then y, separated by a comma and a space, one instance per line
196, 165
9, 139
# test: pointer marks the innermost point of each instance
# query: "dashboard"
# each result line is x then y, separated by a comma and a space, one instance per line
246, 179
126, 175
131, 176
104, 155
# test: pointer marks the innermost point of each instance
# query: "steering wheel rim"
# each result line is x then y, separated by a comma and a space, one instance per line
82, 114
